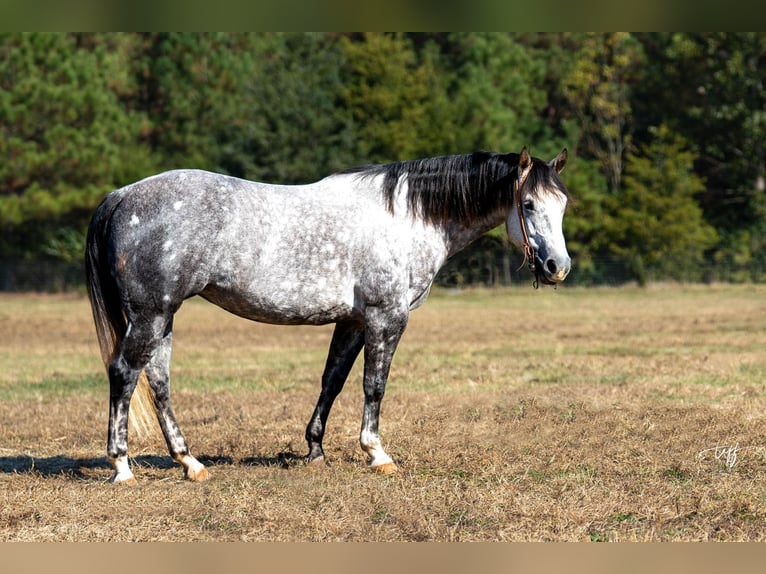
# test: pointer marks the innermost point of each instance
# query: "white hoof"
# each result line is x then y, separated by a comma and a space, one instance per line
194, 470
380, 462
121, 479
122, 473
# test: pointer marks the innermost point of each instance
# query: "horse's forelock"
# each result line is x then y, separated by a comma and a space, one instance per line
544, 179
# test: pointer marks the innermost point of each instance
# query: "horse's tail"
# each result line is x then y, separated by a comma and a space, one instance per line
108, 313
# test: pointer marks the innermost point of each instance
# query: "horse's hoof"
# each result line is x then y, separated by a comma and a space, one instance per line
386, 468
318, 463
194, 470
198, 475
128, 480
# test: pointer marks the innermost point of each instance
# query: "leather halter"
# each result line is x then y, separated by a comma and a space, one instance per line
530, 256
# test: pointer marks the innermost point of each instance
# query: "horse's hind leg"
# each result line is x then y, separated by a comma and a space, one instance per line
158, 374
347, 341
133, 354
122, 382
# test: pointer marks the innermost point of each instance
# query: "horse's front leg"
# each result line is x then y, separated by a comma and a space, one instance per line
347, 341
383, 330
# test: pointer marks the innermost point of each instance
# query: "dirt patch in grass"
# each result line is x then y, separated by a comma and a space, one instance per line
586, 415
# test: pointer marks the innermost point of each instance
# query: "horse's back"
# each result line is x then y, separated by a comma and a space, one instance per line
280, 254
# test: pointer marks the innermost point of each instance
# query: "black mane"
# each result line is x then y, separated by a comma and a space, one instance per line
458, 187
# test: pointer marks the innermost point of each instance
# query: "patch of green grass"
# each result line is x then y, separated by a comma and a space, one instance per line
753, 371
677, 474
596, 536
624, 517
538, 476
55, 386
239, 382
379, 516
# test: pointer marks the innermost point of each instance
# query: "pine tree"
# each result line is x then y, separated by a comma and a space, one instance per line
65, 137
655, 223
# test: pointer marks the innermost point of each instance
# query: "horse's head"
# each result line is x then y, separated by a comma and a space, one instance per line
535, 222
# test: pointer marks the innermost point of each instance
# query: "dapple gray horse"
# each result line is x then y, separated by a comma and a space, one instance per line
359, 249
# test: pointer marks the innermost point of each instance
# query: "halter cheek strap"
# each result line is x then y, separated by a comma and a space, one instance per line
529, 253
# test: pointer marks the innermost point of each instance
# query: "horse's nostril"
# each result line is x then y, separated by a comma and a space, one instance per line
551, 266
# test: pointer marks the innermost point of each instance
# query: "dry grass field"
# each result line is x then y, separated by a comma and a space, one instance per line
568, 415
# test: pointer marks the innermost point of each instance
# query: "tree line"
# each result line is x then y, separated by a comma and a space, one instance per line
665, 130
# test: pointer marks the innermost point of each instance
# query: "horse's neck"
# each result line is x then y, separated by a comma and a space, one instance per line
458, 235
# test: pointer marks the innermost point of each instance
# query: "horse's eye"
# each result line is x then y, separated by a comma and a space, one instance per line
529, 205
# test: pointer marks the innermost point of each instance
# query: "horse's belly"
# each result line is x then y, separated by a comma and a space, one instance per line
283, 307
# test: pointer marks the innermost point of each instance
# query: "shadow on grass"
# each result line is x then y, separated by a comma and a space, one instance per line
90, 468
283, 460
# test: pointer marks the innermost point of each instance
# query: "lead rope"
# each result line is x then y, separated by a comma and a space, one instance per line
529, 253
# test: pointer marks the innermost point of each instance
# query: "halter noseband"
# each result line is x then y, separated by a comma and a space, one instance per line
530, 256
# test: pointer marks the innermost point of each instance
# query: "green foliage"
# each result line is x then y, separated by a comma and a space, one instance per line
709, 87
287, 126
584, 221
190, 86
498, 95
396, 98
741, 253
655, 224
665, 131
598, 87
64, 132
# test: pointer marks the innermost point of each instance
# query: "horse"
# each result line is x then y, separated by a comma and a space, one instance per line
359, 248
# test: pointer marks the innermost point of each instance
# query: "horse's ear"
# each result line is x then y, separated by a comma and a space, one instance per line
525, 160
559, 161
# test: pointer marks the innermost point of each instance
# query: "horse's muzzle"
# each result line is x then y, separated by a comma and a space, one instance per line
552, 270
